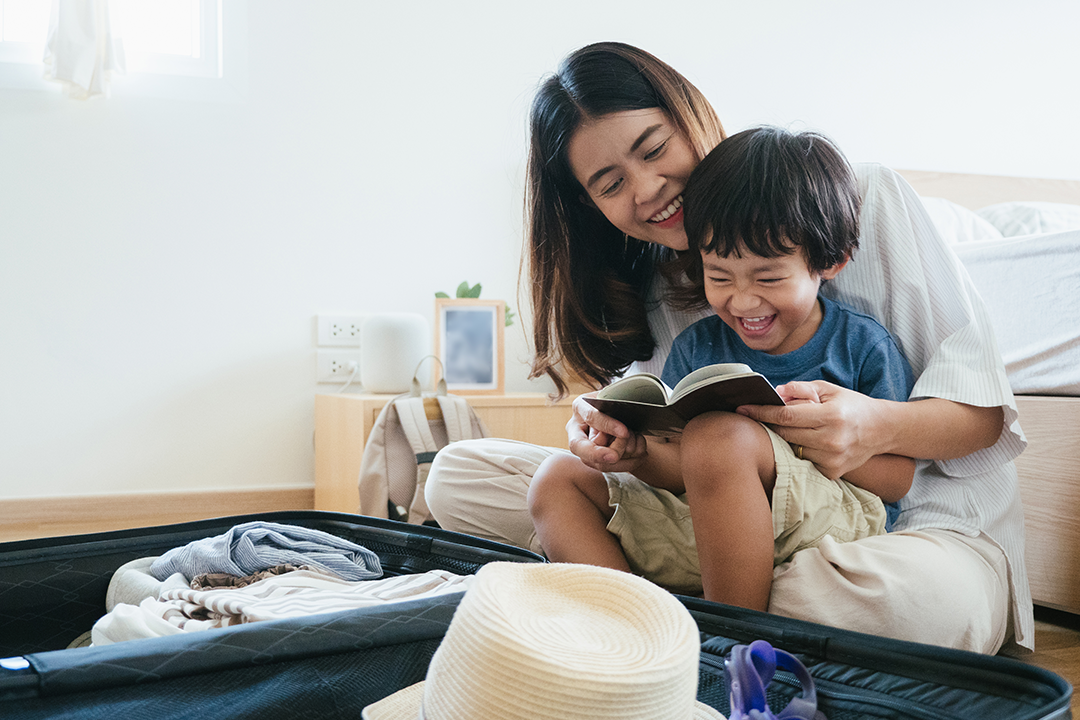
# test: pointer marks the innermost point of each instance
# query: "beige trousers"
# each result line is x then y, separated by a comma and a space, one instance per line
931, 586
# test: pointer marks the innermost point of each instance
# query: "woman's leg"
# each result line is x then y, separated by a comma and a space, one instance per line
930, 586
729, 471
479, 487
568, 502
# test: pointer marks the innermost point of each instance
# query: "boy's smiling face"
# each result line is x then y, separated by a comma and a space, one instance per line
770, 302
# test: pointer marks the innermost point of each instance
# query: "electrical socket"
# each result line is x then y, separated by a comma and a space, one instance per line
337, 366
339, 330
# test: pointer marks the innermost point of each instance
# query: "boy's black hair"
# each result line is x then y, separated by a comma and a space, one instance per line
771, 191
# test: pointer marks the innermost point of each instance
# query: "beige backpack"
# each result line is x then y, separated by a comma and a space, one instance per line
408, 433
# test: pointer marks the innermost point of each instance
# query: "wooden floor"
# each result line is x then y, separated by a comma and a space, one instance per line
1057, 647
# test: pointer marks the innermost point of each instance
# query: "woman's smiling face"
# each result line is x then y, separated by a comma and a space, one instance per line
634, 165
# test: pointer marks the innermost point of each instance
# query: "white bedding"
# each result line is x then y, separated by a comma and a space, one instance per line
1030, 283
1013, 219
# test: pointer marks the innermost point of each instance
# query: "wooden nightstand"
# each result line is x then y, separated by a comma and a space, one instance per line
342, 424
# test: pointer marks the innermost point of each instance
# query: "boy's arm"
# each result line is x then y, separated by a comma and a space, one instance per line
661, 465
887, 476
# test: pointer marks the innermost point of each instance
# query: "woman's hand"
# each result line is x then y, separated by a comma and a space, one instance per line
845, 428
838, 429
602, 442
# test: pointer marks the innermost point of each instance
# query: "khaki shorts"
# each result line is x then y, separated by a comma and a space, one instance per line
657, 536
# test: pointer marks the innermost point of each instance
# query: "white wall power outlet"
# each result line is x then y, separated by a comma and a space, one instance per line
339, 330
337, 366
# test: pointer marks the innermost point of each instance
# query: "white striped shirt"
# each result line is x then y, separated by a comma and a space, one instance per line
904, 275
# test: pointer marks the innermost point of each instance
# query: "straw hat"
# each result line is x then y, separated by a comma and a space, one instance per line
559, 641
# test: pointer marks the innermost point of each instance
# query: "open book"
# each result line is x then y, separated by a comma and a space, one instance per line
641, 401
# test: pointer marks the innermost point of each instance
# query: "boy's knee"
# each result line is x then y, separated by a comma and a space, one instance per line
559, 477
723, 444
718, 430
551, 479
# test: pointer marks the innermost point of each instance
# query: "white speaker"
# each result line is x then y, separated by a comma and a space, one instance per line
391, 346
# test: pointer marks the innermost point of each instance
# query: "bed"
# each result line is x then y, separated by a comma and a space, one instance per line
1019, 239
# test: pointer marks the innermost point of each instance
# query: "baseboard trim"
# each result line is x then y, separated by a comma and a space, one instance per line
25, 518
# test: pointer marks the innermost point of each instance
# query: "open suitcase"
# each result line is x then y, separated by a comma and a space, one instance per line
333, 665
53, 589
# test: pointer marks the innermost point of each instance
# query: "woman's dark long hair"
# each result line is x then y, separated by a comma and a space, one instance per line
589, 282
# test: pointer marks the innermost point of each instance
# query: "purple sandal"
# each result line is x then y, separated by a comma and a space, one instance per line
750, 669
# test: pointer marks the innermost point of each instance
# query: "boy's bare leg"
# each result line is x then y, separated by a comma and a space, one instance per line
568, 502
729, 471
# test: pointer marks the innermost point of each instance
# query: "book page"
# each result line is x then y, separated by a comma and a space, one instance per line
643, 388
707, 373
726, 393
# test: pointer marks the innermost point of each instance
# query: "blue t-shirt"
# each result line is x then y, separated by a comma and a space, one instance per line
849, 349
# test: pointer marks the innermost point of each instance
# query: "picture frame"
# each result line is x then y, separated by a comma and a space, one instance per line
469, 345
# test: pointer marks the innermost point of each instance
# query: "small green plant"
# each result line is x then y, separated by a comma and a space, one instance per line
465, 291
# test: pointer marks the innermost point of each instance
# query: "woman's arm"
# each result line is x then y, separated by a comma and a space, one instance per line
847, 428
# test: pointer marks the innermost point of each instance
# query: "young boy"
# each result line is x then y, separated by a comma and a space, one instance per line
769, 215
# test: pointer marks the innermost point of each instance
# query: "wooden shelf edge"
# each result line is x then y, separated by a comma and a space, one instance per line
26, 518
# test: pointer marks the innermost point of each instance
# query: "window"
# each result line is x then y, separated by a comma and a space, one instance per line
24, 27
170, 37
172, 48
164, 37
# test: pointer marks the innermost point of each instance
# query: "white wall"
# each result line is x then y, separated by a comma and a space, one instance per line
162, 260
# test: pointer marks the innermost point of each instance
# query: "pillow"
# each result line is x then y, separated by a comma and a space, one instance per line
956, 223
1031, 218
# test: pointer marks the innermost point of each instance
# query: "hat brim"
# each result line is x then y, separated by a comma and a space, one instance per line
405, 705
704, 712
402, 705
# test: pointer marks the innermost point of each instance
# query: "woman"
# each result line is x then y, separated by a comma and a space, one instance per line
615, 134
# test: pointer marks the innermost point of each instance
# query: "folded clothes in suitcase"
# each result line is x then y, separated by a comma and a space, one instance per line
333, 665
52, 590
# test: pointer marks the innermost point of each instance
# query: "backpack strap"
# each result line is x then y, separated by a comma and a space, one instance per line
461, 422
414, 423
375, 464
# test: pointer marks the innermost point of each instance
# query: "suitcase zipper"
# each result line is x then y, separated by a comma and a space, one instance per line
394, 555
835, 691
